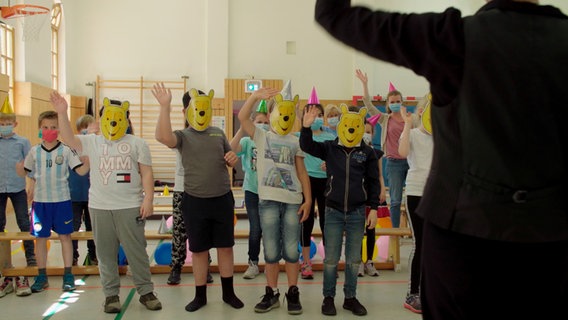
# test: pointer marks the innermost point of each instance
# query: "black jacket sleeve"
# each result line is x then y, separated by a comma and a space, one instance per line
308, 145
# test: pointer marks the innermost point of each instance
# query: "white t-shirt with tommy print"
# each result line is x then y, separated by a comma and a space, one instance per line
115, 174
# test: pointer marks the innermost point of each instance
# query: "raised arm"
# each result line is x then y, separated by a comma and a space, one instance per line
404, 140
164, 133
307, 143
65, 131
244, 114
362, 76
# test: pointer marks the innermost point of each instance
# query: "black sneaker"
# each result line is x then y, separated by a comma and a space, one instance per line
269, 301
293, 298
209, 277
175, 276
353, 305
328, 307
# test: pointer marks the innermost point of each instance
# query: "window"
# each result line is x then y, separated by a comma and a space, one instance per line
7, 65
55, 23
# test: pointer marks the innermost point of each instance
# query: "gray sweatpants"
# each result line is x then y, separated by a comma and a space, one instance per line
112, 228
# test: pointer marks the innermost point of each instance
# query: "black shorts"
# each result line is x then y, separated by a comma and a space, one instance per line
209, 222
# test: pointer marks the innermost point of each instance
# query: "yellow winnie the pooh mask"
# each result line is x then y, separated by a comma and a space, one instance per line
351, 126
283, 114
114, 120
199, 113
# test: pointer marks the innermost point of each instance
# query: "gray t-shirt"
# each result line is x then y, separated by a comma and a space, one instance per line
202, 155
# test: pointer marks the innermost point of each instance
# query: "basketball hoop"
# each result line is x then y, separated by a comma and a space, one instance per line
32, 18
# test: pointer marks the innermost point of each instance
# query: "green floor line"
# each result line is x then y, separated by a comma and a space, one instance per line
125, 305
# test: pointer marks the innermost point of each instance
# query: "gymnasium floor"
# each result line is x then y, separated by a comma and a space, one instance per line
383, 296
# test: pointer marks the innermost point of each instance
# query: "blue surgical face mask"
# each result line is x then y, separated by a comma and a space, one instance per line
333, 121
6, 130
395, 107
316, 125
263, 126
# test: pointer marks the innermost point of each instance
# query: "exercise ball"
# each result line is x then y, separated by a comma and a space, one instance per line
383, 248
321, 250
163, 253
122, 261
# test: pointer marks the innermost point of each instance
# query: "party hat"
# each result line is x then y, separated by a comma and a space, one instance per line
262, 107
166, 190
163, 226
373, 119
6, 107
287, 90
391, 87
313, 97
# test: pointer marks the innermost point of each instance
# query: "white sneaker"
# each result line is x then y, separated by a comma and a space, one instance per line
7, 287
252, 271
361, 271
370, 269
23, 287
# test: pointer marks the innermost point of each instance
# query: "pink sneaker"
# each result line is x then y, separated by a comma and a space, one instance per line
306, 270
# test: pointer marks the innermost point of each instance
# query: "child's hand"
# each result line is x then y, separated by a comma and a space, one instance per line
323, 166
304, 211
372, 219
362, 76
163, 95
59, 103
406, 116
309, 116
264, 93
147, 208
231, 158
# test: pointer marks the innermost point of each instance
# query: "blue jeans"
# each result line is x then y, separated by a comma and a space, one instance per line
396, 170
255, 232
353, 224
20, 204
280, 225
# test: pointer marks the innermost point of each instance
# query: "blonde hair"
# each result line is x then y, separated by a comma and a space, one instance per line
329, 108
46, 115
84, 121
7, 116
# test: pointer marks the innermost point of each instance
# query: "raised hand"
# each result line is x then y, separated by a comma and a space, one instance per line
59, 103
265, 93
309, 116
406, 116
162, 94
362, 76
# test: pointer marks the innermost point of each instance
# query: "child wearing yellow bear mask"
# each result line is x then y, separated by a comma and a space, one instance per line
350, 162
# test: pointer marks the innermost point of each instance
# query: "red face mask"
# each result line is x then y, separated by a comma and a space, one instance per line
49, 135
